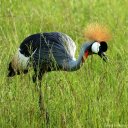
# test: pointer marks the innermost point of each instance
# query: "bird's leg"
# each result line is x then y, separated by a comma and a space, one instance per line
41, 98
38, 78
35, 80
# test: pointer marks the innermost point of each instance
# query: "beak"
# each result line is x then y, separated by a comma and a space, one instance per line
103, 56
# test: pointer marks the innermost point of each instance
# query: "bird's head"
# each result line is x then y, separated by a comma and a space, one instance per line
98, 35
96, 47
100, 48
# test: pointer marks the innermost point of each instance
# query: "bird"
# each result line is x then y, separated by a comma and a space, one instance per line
52, 51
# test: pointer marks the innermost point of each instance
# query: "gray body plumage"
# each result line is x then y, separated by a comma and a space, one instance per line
54, 50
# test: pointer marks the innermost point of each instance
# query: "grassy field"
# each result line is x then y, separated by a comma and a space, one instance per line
96, 96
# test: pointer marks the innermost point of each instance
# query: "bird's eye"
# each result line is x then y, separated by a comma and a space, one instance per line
95, 47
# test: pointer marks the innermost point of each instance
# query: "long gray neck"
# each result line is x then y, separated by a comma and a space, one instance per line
75, 65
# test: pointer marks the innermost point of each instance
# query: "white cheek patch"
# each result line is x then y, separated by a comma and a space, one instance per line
22, 60
95, 47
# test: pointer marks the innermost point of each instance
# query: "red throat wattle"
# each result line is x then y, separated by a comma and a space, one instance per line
85, 56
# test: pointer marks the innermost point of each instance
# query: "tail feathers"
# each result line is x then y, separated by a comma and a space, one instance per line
20, 61
97, 32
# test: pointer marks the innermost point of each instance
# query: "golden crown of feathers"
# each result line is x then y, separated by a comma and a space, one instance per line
97, 32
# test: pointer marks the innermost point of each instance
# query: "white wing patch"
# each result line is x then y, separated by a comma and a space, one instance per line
71, 47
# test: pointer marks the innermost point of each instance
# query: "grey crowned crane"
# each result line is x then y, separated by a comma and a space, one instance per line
54, 51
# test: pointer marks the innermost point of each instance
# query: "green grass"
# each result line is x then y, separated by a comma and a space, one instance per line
94, 96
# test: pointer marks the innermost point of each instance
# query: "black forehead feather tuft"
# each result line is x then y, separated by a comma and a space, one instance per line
104, 46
